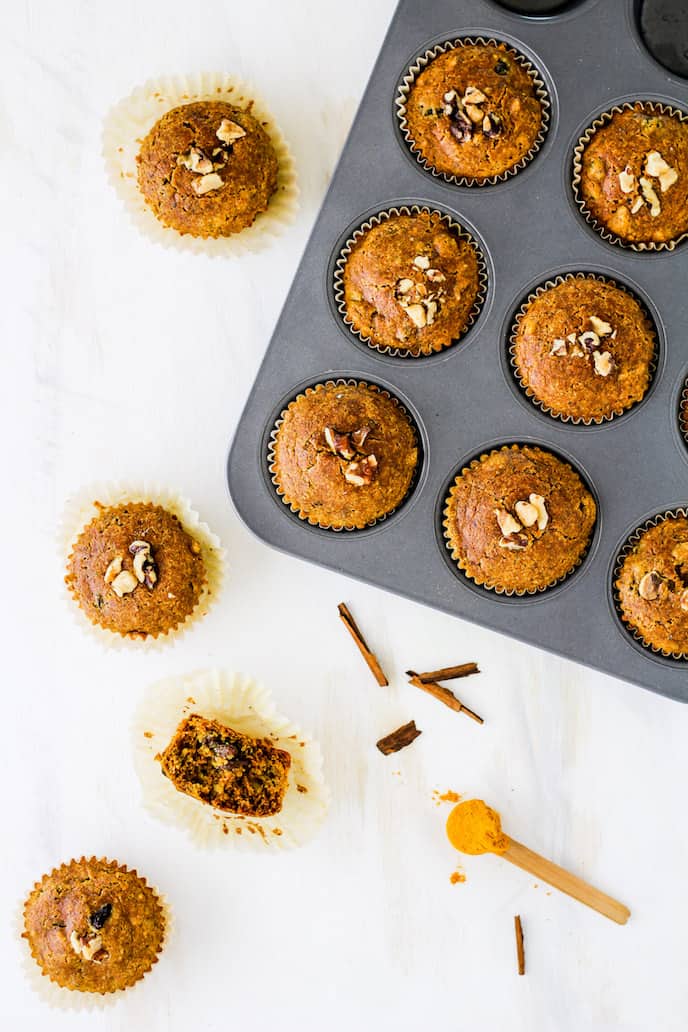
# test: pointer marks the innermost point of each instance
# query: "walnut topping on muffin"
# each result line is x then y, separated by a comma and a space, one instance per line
467, 113
359, 468
531, 513
587, 345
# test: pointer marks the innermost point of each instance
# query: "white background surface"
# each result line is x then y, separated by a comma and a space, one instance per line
124, 360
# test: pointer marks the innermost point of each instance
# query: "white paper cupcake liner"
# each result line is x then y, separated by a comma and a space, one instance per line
542, 289
60, 998
293, 506
602, 120
628, 546
423, 61
683, 412
246, 707
129, 121
80, 509
457, 557
376, 220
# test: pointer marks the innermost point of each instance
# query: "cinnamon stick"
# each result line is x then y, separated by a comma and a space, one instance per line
520, 951
398, 739
370, 658
449, 673
443, 695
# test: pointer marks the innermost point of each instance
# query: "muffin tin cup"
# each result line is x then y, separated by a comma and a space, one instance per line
378, 219
271, 454
247, 707
601, 120
541, 405
75, 1000
130, 120
423, 60
80, 509
628, 546
496, 588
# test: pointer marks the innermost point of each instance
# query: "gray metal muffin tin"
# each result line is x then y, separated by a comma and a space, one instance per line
465, 400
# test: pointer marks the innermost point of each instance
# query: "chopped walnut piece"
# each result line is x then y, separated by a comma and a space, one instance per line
404, 285
207, 183
339, 444
435, 276
507, 524
113, 569
229, 131
526, 512
416, 314
358, 437
421, 262
124, 583
602, 328
667, 179
650, 586
651, 198
88, 947
361, 472
558, 347
655, 164
196, 161
627, 180
588, 340
637, 205
604, 363
474, 96
474, 113
683, 601
538, 503
514, 542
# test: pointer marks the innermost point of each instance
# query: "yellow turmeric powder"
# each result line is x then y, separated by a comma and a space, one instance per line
474, 827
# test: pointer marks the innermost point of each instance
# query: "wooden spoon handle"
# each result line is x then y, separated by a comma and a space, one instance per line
546, 871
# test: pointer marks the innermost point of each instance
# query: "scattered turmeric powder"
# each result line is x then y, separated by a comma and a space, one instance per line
474, 827
457, 876
445, 797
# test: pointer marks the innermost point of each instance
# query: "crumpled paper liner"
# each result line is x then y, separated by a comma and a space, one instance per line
601, 120
543, 288
59, 997
130, 120
630, 543
375, 220
456, 556
80, 509
247, 707
294, 505
423, 61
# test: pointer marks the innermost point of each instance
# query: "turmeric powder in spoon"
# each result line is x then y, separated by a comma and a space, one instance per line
474, 827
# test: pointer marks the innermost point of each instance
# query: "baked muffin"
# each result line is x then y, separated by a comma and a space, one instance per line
584, 349
344, 455
207, 168
518, 519
634, 175
474, 112
135, 570
652, 586
411, 283
94, 926
226, 769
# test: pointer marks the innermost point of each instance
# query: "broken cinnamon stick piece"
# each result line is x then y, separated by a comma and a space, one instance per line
444, 695
520, 951
370, 658
449, 673
398, 739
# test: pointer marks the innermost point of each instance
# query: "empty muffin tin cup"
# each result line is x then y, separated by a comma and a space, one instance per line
422, 62
603, 119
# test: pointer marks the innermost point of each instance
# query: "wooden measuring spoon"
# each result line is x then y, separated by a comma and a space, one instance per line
473, 827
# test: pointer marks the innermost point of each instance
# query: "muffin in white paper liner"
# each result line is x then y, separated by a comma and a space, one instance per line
75, 1000
247, 707
130, 120
81, 508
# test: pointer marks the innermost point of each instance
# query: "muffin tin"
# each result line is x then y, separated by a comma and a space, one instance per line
466, 400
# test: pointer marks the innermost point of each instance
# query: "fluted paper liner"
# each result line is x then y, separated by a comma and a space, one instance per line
538, 292
311, 520
424, 60
628, 546
246, 707
456, 556
683, 412
376, 220
602, 120
81, 508
60, 997
131, 119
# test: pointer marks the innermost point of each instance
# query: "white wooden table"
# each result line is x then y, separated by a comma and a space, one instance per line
122, 360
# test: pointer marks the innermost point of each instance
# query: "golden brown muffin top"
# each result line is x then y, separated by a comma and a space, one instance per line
473, 111
135, 570
634, 176
207, 168
344, 455
94, 926
225, 768
652, 586
584, 348
411, 283
519, 519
